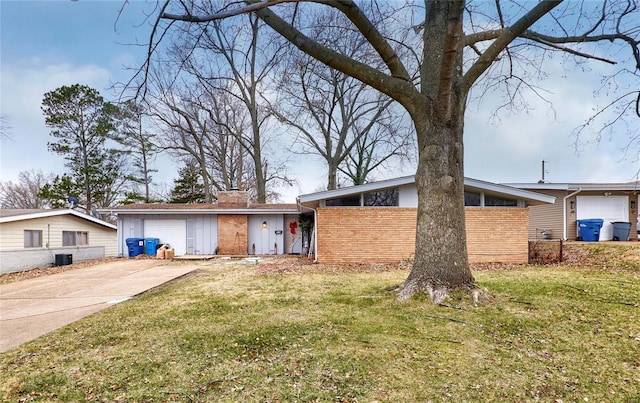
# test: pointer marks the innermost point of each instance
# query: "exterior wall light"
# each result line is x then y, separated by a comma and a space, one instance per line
633, 204
572, 204
264, 224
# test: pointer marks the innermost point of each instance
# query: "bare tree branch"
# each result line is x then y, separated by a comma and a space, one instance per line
506, 37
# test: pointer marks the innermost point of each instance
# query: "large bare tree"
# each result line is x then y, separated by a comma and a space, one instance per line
201, 127
458, 44
334, 115
237, 57
24, 194
352, 127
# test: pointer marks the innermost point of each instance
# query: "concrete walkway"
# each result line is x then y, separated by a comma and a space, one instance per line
34, 307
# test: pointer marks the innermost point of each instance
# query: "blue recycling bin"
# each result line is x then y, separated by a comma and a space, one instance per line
151, 245
621, 230
590, 229
135, 246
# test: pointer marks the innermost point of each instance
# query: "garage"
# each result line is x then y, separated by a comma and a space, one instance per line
607, 208
169, 231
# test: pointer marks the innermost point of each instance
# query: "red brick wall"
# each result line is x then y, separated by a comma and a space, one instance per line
357, 234
497, 234
380, 234
233, 234
233, 199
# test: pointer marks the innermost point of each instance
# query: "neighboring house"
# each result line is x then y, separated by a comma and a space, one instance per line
610, 202
33, 238
376, 222
232, 226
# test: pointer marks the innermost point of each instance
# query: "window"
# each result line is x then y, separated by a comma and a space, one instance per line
471, 199
382, 198
75, 238
491, 201
343, 201
32, 238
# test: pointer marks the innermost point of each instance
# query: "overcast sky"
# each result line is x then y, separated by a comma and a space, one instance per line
48, 44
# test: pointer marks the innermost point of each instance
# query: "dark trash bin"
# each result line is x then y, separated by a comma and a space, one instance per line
64, 259
151, 246
621, 230
589, 229
135, 246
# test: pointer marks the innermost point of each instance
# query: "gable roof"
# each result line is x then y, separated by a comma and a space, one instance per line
469, 185
13, 215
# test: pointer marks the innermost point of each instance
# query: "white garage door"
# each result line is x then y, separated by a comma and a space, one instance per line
172, 232
609, 209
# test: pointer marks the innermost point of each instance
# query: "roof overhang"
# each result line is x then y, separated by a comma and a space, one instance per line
351, 190
192, 211
532, 198
626, 187
55, 213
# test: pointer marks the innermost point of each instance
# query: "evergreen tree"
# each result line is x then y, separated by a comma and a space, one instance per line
56, 192
82, 122
189, 187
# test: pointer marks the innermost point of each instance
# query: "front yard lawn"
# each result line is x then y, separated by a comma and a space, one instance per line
259, 334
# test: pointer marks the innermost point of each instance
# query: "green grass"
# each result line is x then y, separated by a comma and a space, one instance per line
546, 334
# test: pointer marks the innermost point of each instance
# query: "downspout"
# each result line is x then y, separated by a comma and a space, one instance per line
564, 212
315, 234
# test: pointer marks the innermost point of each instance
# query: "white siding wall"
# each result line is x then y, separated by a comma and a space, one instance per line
201, 231
202, 234
265, 239
408, 196
15, 257
12, 233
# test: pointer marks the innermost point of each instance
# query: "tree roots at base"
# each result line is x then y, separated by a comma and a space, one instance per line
438, 293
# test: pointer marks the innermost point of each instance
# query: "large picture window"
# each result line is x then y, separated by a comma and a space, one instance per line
32, 238
75, 238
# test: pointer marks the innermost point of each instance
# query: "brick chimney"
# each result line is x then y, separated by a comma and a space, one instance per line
233, 199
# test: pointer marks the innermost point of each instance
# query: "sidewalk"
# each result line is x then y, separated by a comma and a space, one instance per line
34, 307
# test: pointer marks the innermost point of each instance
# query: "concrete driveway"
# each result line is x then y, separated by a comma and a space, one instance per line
33, 307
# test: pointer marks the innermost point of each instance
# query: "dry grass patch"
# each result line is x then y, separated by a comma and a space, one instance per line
264, 333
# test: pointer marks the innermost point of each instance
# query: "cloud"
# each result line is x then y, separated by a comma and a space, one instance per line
24, 84
511, 148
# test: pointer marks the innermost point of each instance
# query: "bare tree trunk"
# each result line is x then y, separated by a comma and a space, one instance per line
256, 153
440, 262
332, 176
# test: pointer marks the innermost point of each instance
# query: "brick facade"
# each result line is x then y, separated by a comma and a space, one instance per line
232, 234
380, 234
497, 234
